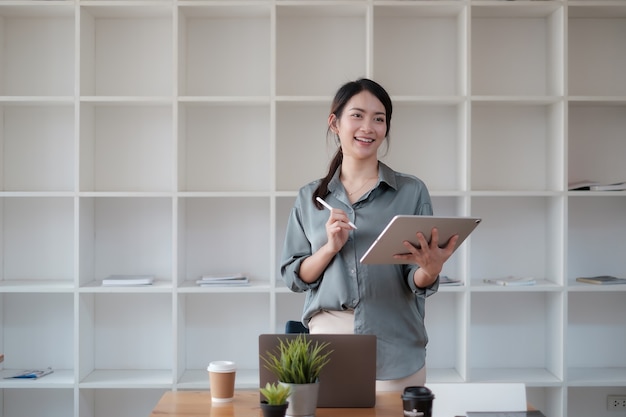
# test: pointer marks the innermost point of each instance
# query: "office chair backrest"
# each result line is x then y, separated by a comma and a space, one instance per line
293, 326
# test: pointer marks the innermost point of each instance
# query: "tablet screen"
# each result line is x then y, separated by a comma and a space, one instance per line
405, 227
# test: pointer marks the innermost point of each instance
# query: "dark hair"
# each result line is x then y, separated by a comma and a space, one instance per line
343, 95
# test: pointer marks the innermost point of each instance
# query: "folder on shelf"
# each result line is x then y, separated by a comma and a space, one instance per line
602, 280
127, 280
31, 374
511, 281
223, 280
446, 281
529, 413
596, 186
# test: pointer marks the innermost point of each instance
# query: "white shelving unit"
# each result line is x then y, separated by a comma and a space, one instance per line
169, 137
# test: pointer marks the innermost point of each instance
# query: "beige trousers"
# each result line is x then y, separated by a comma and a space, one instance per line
342, 322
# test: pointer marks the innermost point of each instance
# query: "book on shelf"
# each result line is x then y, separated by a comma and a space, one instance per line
223, 280
529, 413
602, 280
511, 281
596, 186
446, 281
127, 280
31, 374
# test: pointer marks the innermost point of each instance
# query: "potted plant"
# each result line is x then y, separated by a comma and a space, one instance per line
275, 403
297, 362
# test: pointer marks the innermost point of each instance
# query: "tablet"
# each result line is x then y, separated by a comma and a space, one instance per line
405, 227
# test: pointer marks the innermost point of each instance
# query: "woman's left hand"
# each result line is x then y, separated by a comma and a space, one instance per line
429, 256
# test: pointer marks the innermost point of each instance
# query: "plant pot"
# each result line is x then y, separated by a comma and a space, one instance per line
274, 410
303, 399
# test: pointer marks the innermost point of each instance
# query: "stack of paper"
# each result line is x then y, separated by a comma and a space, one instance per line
127, 280
230, 280
530, 413
596, 186
31, 374
602, 280
511, 281
446, 281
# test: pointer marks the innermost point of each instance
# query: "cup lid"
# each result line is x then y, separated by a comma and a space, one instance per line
418, 393
222, 366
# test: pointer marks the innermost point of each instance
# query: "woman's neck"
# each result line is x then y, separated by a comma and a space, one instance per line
358, 179
358, 171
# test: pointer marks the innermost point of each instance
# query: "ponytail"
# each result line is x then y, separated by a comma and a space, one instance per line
322, 189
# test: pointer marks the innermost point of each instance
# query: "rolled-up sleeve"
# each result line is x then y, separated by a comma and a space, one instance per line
296, 249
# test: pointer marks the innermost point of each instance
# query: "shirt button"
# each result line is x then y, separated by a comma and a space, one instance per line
352, 271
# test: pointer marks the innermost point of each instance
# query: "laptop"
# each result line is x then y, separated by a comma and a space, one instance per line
349, 379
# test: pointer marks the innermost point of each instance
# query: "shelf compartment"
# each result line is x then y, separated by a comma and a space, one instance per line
224, 236
207, 67
118, 56
304, 71
583, 402
427, 46
426, 141
36, 338
447, 334
301, 130
37, 51
117, 340
517, 49
117, 402
596, 142
37, 147
596, 320
596, 56
528, 142
517, 337
224, 147
607, 225
206, 321
48, 403
126, 147
125, 236
38, 240
547, 399
518, 221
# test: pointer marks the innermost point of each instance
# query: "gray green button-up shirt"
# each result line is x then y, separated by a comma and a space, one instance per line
386, 301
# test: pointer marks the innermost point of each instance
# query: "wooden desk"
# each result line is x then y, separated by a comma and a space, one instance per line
246, 404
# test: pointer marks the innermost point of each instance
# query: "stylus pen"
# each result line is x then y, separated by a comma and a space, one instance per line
328, 206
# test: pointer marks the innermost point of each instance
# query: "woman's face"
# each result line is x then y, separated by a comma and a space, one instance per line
361, 127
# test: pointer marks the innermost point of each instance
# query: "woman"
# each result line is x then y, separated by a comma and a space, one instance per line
321, 251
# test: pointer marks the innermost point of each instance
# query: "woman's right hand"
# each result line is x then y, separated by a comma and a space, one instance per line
337, 230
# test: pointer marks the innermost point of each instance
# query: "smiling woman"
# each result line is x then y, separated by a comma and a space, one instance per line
321, 251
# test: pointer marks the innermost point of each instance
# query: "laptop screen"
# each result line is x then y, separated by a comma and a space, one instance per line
349, 379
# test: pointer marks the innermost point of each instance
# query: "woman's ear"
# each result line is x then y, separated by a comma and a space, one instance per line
332, 123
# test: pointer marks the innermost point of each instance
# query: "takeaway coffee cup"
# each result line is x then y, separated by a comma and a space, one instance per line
222, 381
417, 402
